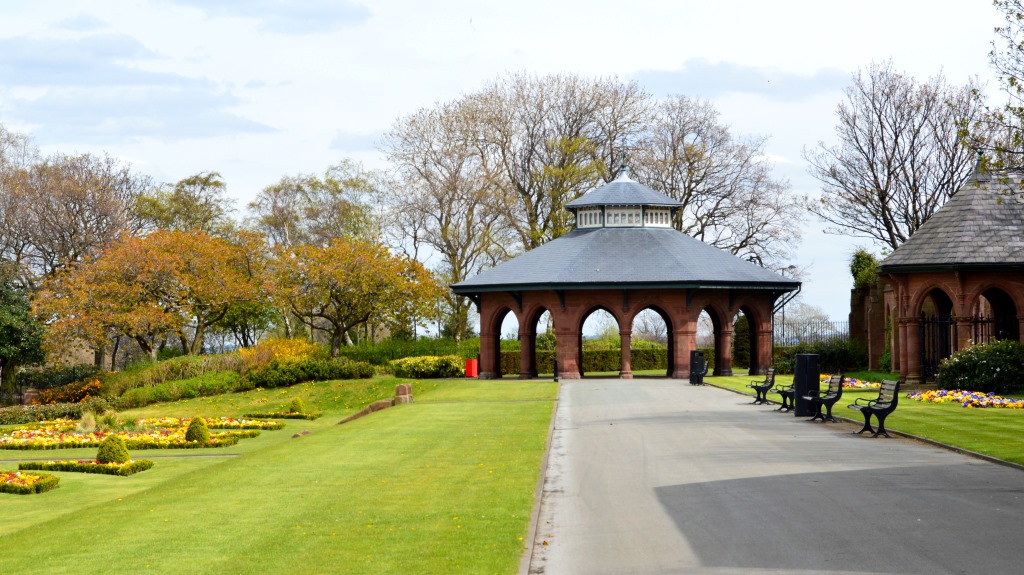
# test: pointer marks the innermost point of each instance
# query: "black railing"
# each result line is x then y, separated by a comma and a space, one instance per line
938, 335
795, 332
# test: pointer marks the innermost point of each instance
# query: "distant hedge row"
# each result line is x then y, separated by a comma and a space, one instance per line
599, 360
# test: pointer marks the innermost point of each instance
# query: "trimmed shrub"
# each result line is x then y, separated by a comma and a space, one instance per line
996, 367
122, 469
198, 431
283, 415
18, 414
26, 483
834, 355
205, 385
278, 374
296, 406
428, 366
113, 450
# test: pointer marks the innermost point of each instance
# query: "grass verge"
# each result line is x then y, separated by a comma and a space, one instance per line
444, 485
997, 433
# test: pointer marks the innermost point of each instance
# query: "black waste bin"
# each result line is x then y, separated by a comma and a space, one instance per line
806, 379
698, 367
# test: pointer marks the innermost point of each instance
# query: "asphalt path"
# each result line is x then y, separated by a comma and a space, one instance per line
657, 476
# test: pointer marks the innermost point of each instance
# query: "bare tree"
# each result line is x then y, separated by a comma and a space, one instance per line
901, 154
442, 198
63, 208
730, 198
543, 139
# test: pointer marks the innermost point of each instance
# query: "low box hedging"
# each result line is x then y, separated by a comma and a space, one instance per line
27, 483
215, 383
427, 366
597, 360
283, 415
86, 466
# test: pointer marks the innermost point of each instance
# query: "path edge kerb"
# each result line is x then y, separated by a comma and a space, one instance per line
526, 559
925, 440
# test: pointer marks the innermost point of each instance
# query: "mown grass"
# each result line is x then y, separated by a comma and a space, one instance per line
444, 485
997, 433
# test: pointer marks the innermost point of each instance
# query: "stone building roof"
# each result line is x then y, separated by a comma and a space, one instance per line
642, 254
980, 227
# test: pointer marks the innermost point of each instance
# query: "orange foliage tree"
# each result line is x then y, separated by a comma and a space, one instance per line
351, 282
168, 282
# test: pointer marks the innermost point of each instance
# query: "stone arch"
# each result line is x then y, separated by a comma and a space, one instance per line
490, 341
933, 300
722, 330
994, 315
528, 339
669, 333
623, 369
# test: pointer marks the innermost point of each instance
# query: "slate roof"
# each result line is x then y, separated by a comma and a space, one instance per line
623, 258
622, 191
981, 227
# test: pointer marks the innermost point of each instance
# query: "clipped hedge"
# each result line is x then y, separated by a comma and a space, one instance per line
834, 354
277, 374
996, 367
27, 483
428, 366
81, 466
284, 415
19, 414
644, 358
214, 383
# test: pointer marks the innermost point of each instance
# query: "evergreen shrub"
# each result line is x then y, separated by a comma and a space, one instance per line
996, 367
198, 431
113, 450
428, 366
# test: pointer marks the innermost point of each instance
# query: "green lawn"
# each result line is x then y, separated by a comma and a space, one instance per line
444, 485
995, 432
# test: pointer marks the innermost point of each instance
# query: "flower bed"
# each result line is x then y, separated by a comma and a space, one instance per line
89, 466
211, 422
58, 436
853, 382
26, 483
970, 399
283, 415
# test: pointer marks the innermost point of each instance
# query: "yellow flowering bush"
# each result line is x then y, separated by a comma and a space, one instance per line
282, 351
26, 483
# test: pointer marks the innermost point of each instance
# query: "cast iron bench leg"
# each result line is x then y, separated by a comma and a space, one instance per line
829, 417
817, 412
881, 425
867, 422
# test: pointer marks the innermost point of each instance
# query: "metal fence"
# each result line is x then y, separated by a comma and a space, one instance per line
795, 332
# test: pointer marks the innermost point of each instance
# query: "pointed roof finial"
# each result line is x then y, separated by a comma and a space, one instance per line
623, 168
980, 172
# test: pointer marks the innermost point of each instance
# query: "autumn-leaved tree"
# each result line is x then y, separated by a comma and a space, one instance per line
168, 282
351, 282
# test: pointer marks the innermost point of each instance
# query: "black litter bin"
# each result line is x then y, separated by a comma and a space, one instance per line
806, 379
698, 367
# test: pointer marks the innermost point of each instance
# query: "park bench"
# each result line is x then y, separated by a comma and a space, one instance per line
880, 407
761, 387
826, 399
787, 395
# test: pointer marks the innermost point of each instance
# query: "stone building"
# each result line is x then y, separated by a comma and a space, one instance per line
624, 257
959, 279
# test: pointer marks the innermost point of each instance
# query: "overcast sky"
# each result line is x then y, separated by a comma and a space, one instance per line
259, 89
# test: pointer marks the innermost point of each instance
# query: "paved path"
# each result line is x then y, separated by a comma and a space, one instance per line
657, 476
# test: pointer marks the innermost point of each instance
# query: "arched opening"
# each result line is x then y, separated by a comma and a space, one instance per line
719, 341
994, 316
650, 345
937, 331
537, 353
600, 343
745, 351
507, 343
